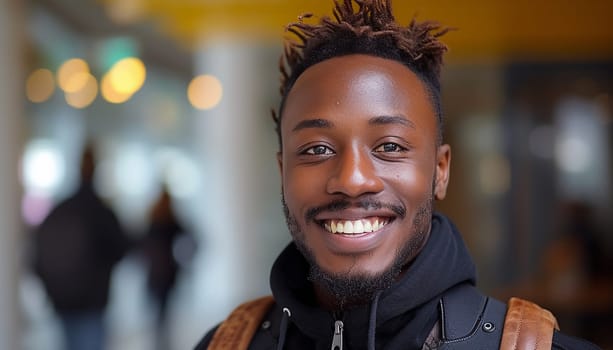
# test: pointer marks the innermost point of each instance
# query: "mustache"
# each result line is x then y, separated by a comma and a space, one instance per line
364, 203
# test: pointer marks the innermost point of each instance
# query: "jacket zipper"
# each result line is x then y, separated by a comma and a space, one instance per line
337, 338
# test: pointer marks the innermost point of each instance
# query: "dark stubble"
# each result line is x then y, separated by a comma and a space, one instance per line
355, 289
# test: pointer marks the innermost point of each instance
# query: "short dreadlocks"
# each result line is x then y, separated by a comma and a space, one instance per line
368, 28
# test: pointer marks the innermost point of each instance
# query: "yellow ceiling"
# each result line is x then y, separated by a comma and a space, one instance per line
524, 29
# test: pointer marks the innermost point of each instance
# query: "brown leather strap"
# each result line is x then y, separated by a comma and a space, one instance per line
527, 326
236, 332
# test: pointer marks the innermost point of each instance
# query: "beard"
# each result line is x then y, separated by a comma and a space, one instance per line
356, 289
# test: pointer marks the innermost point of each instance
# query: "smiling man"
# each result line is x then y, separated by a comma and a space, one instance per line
362, 159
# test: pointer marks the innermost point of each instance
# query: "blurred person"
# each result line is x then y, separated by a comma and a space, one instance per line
166, 247
76, 248
362, 159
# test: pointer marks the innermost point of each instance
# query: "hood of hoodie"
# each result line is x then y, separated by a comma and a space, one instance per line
405, 307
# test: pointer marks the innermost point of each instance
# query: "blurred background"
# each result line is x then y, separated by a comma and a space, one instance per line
175, 98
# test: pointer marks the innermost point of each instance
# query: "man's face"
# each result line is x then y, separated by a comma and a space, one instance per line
360, 165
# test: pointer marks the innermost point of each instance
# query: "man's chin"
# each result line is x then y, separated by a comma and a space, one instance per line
352, 289
350, 273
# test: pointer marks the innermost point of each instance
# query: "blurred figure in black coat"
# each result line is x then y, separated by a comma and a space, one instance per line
76, 248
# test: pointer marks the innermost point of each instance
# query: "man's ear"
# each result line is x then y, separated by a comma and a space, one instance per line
443, 164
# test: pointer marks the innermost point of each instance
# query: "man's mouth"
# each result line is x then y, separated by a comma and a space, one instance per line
354, 227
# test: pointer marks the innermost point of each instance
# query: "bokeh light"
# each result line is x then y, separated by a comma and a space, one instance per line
73, 75
84, 96
128, 75
205, 92
43, 167
40, 85
573, 155
108, 92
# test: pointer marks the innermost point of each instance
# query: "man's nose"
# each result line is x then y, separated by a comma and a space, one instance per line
354, 175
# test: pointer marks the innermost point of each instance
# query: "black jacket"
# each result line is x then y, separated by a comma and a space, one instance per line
434, 305
76, 248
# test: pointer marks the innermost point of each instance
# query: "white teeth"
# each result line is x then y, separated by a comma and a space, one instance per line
354, 226
358, 227
348, 227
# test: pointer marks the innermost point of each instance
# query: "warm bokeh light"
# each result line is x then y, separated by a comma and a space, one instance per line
73, 75
76, 82
40, 85
109, 93
128, 75
204, 92
85, 96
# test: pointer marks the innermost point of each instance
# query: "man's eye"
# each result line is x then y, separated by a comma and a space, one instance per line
389, 147
318, 151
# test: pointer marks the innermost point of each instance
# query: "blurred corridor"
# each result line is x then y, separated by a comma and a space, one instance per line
176, 95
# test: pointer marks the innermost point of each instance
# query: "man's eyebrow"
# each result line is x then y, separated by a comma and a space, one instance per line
391, 119
313, 123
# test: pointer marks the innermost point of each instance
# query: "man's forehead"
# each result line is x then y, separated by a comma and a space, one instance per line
353, 62
341, 83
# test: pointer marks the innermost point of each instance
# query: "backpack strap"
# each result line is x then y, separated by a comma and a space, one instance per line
236, 332
527, 326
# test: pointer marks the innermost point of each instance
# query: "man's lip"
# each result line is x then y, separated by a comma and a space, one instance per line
354, 214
